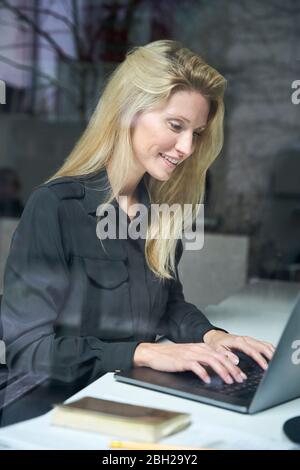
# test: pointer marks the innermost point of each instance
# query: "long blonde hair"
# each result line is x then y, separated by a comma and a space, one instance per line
148, 77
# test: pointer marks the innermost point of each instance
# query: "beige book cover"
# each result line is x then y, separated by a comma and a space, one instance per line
120, 419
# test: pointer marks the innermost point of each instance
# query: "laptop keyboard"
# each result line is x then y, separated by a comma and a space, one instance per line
245, 388
242, 390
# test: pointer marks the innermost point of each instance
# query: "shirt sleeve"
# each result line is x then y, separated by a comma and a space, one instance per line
182, 321
36, 283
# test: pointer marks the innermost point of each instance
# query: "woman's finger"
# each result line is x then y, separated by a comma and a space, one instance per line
231, 356
217, 366
261, 347
229, 360
200, 371
245, 347
236, 372
270, 346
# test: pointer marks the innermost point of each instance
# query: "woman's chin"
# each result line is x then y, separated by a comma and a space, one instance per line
160, 176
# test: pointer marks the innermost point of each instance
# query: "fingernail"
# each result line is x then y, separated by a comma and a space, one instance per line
244, 376
236, 360
229, 379
207, 380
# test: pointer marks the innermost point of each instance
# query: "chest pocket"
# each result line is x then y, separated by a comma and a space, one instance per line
106, 273
108, 310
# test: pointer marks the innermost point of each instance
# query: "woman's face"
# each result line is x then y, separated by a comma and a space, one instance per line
170, 131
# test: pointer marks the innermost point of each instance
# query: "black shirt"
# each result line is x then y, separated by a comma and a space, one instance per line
73, 306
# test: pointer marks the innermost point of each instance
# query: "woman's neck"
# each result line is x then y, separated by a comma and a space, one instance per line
130, 185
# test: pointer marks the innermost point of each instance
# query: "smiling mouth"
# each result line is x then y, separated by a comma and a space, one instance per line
171, 161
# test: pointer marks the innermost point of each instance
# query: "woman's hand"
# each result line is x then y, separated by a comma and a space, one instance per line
224, 342
188, 356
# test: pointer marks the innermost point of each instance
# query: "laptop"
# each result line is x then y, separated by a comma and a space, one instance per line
262, 389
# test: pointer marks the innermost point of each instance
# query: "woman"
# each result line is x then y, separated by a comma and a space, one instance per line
78, 306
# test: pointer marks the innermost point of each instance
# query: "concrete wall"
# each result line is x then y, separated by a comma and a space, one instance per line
216, 271
35, 148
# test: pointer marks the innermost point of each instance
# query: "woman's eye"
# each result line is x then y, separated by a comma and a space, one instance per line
197, 134
176, 127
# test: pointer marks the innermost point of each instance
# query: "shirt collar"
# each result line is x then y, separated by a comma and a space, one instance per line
97, 187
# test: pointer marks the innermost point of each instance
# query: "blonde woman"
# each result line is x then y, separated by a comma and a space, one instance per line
77, 305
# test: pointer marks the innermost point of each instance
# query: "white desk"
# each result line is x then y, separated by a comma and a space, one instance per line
211, 426
261, 309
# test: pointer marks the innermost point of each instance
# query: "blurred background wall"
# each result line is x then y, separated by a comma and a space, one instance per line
55, 57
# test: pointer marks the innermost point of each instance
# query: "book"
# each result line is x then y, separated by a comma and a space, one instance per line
141, 423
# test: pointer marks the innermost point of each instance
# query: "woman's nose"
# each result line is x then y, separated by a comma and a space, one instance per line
184, 144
